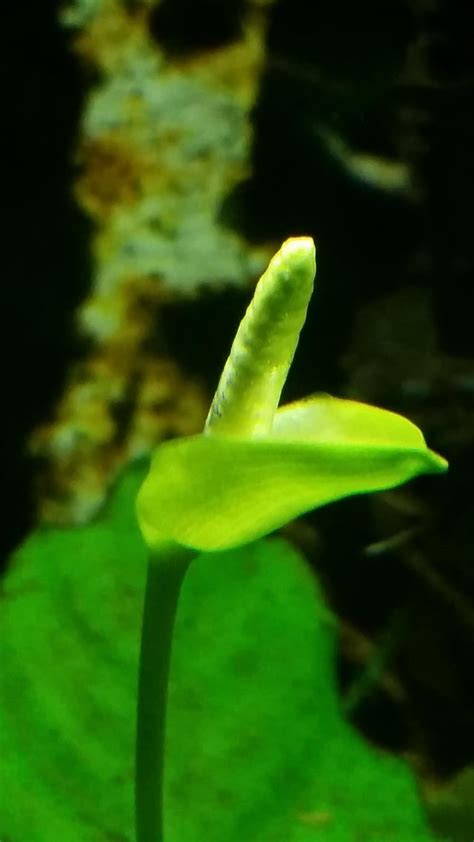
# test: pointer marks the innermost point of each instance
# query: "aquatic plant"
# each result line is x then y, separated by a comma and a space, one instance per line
254, 468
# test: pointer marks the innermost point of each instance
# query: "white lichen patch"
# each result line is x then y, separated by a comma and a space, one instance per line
162, 143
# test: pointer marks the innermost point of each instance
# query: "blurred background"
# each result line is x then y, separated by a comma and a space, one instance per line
157, 153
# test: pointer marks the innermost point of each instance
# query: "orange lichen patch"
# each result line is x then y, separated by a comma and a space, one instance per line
164, 407
102, 42
117, 172
89, 418
162, 144
120, 402
109, 370
84, 419
113, 174
77, 493
158, 384
234, 67
108, 416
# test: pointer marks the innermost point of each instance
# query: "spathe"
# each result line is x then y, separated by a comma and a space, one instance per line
214, 492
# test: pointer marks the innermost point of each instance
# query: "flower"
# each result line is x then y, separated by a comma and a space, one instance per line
256, 466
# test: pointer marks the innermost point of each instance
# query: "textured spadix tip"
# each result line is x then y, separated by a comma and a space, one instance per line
299, 253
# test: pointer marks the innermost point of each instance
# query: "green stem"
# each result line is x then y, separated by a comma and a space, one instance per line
165, 575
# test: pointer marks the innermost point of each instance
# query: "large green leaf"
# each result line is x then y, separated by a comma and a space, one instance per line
257, 747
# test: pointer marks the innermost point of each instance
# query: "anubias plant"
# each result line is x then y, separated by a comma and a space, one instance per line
254, 468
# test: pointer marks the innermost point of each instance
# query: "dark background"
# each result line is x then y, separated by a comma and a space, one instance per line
392, 322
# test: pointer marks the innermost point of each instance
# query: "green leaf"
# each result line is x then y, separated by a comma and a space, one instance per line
258, 749
214, 492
